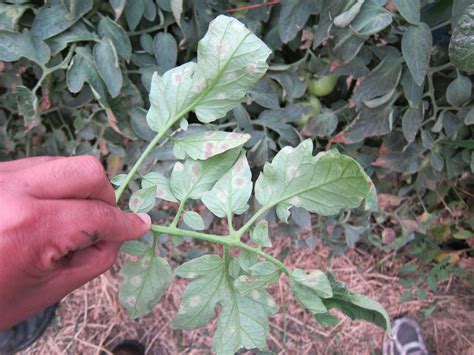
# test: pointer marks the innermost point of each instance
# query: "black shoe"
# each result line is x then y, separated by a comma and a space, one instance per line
129, 347
407, 339
27, 332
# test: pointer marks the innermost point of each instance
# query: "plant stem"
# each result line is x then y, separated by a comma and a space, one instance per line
227, 242
178, 213
134, 169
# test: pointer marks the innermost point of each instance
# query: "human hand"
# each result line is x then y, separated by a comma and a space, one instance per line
59, 228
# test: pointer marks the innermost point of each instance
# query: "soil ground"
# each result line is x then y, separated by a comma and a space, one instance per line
91, 320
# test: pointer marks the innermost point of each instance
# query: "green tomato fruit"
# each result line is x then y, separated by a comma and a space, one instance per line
322, 86
316, 109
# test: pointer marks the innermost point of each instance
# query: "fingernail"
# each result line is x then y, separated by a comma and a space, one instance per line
144, 217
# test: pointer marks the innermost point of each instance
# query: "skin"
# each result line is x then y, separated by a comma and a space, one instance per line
60, 227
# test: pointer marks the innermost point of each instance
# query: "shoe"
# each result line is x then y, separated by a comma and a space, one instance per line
129, 347
22, 335
407, 339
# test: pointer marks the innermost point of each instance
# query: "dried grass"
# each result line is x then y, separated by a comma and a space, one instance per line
91, 321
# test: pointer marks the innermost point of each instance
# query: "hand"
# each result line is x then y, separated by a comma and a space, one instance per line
59, 228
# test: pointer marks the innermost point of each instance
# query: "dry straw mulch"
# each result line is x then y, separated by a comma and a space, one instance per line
91, 320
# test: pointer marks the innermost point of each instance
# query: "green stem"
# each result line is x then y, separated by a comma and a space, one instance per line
227, 242
238, 234
148, 149
178, 213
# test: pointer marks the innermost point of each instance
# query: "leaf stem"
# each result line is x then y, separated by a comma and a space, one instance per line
178, 213
227, 242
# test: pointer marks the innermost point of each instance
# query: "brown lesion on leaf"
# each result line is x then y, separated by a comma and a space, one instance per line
94, 237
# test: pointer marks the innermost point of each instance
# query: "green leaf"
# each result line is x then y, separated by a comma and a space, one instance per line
413, 91
416, 49
27, 104
119, 179
118, 36
203, 145
308, 298
316, 281
165, 49
193, 220
194, 177
243, 320
293, 17
409, 9
323, 184
135, 247
356, 306
134, 12
469, 119
144, 282
381, 80
461, 46
83, 70
246, 259
162, 184
232, 191
408, 268
330, 9
118, 6
343, 20
53, 18
261, 274
230, 61
371, 19
459, 91
143, 200
77, 33
411, 123
259, 234
14, 45
10, 15
108, 67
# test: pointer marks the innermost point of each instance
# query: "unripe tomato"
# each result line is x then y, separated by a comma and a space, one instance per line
316, 109
322, 86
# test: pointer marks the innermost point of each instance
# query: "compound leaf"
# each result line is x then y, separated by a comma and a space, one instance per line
316, 280
144, 282
261, 274
162, 184
206, 144
230, 61
118, 36
14, 45
143, 200
323, 184
232, 191
243, 319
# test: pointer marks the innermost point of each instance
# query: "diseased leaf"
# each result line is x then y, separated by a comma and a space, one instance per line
243, 320
323, 184
293, 17
343, 20
227, 66
261, 274
259, 234
27, 104
416, 49
53, 18
232, 191
461, 45
10, 15
321, 126
177, 10
194, 177
411, 123
118, 6
193, 220
459, 91
143, 200
371, 19
144, 282
162, 184
330, 9
118, 36
206, 144
409, 9
165, 50
108, 67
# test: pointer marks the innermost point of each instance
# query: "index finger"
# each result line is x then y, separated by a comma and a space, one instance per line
80, 177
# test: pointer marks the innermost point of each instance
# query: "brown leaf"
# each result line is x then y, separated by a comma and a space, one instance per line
387, 201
